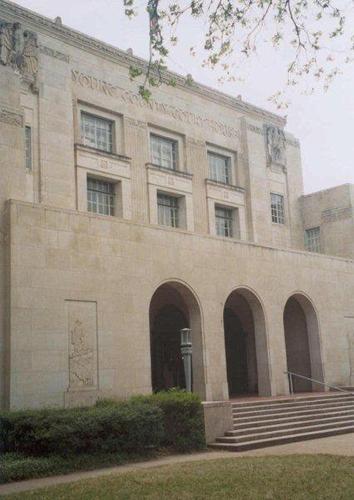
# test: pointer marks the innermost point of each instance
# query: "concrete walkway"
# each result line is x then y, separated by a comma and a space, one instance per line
335, 445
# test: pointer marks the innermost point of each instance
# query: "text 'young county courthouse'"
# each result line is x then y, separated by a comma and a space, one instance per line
124, 221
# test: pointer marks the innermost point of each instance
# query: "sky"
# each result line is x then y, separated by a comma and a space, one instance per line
323, 122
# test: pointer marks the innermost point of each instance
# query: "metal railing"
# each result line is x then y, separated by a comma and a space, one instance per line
291, 383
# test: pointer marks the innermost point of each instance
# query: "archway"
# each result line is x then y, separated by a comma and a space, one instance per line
246, 348
302, 342
174, 306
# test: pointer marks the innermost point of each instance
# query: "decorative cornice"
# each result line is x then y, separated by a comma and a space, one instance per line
73, 37
11, 117
54, 53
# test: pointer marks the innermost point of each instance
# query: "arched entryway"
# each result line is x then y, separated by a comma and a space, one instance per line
174, 306
302, 342
246, 348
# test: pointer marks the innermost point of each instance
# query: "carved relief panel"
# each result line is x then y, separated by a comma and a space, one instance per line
19, 49
82, 332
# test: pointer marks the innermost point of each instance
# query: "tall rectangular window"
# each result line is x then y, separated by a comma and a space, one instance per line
313, 239
97, 132
167, 208
163, 152
28, 147
219, 168
100, 196
277, 208
224, 221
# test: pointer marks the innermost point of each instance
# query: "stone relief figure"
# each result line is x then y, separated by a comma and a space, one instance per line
276, 144
19, 49
6, 43
29, 60
81, 357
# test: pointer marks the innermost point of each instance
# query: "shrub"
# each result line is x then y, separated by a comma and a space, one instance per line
124, 426
183, 419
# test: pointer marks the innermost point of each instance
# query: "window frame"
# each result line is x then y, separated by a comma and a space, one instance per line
28, 148
174, 214
109, 194
227, 179
308, 241
88, 143
277, 210
230, 218
175, 143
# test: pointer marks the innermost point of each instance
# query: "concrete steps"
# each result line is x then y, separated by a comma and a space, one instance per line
268, 422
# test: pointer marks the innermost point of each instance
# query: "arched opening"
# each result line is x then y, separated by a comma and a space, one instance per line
246, 349
173, 307
302, 342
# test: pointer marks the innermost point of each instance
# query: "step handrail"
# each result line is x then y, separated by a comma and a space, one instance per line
293, 374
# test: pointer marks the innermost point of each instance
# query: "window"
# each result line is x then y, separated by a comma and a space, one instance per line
167, 207
163, 152
224, 222
313, 240
100, 196
277, 204
219, 168
28, 147
97, 132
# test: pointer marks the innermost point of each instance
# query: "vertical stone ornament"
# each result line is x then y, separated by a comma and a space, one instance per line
82, 331
275, 145
19, 49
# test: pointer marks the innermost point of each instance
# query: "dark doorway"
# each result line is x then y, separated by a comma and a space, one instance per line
236, 354
167, 364
297, 345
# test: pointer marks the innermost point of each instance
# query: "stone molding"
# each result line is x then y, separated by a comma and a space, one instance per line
70, 36
11, 117
223, 185
54, 53
179, 173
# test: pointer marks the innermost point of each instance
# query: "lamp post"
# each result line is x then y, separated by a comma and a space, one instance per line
186, 350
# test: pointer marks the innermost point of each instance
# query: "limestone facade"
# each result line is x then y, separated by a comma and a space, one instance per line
81, 292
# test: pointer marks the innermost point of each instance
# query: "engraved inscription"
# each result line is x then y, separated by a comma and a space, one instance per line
88, 81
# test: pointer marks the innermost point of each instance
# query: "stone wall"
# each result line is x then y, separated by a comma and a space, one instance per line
61, 255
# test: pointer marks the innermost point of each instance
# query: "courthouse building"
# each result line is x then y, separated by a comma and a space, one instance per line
124, 221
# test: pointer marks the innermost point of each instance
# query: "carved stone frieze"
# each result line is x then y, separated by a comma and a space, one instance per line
135, 123
82, 345
54, 53
11, 117
19, 49
81, 357
196, 142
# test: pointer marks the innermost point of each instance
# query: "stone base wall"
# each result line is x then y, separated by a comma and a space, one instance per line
81, 287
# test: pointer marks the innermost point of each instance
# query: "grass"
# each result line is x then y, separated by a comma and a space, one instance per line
288, 477
17, 467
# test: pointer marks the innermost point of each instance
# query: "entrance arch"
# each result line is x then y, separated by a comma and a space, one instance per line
174, 306
302, 343
246, 349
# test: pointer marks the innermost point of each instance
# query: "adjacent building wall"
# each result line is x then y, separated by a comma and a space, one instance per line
332, 210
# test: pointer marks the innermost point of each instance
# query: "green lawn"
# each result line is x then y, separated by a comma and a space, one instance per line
286, 477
